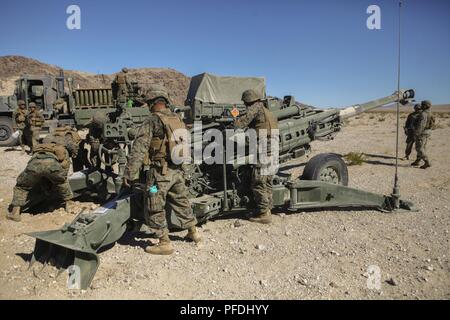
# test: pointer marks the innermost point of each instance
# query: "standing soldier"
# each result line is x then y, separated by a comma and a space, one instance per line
259, 118
35, 121
95, 137
121, 86
48, 168
20, 118
409, 129
423, 127
165, 181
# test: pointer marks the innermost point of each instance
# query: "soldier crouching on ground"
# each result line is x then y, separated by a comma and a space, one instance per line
20, 118
165, 181
258, 117
409, 130
47, 168
423, 127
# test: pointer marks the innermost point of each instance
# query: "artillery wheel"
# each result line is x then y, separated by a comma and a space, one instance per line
326, 167
6, 132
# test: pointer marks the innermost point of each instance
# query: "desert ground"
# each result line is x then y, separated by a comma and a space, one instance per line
307, 255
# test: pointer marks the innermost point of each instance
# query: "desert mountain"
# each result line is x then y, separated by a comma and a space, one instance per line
12, 67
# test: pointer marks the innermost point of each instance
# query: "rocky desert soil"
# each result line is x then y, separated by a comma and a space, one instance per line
307, 255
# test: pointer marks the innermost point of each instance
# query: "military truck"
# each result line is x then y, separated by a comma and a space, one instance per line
60, 103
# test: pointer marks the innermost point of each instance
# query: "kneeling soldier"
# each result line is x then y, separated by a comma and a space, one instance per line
48, 166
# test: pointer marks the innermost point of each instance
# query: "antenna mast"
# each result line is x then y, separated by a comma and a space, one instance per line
396, 191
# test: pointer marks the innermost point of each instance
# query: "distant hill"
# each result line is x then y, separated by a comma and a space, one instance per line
12, 67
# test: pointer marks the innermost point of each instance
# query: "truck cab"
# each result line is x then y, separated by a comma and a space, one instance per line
43, 90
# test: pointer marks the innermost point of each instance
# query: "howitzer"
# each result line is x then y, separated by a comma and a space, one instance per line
222, 188
117, 134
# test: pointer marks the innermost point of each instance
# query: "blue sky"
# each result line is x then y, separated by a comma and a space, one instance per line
320, 51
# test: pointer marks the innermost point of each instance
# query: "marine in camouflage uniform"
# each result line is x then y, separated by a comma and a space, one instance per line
69, 137
258, 117
60, 106
95, 137
422, 130
121, 87
47, 171
35, 121
165, 181
409, 130
20, 119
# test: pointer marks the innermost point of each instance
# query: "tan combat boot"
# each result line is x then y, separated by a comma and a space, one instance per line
415, 163
426, 165
164, 247
264, 218
193, 235
14, 214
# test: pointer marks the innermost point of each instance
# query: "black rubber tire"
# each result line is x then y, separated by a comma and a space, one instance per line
317, 164
6, 132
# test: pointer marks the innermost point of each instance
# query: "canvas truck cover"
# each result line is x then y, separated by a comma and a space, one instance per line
208, 88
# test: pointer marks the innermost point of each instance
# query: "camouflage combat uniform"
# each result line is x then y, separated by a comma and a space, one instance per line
35, 121
151, 143
95, 138
422, 130
60, 106
165, 183
258, 117
121, 86
20, 118
49, 163
409, 130
69, 137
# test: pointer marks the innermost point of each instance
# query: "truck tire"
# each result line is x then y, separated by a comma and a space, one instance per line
6, 132
327, 167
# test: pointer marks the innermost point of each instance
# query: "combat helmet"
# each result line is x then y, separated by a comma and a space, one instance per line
125, 70
417, 107
20, 103
32, 105
156, 91
99, 118
426, 104
250, 96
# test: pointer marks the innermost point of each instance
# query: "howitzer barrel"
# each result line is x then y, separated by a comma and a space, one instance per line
360, 108
349, 111
287, 112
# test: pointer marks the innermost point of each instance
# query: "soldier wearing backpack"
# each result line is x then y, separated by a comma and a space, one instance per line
423, 127
47, 170
35, 120
154, 147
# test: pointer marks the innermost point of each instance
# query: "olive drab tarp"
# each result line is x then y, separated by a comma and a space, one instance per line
208, 88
